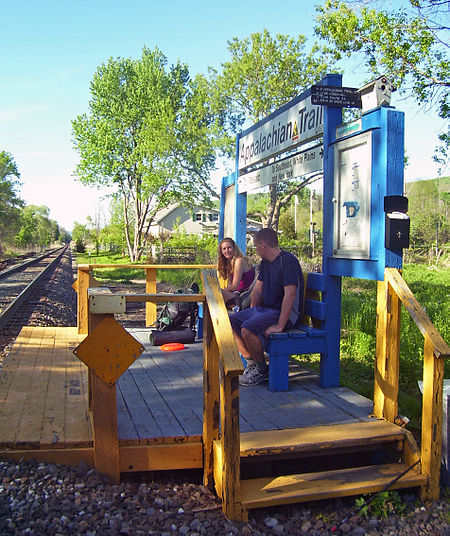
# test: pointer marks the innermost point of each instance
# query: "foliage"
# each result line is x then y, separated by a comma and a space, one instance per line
265, 72
409, 46
429, 206
36, 228
382, 504
151, 135
10, 202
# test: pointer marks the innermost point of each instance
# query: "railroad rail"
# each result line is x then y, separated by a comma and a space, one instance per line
17, 282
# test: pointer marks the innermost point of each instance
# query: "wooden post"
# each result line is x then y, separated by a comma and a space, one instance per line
82, 299
431, 444
231, 474
387, 353
210, 396
150, 288
104, 414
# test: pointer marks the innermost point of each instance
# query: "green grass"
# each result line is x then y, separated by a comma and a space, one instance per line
358, 335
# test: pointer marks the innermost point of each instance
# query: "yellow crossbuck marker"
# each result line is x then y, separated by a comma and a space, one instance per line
109, 350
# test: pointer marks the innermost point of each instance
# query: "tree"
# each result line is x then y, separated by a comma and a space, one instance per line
265, 72
408, 46
10, 202
151, 134
36, 228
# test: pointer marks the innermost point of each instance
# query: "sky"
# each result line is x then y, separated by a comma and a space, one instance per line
50, 50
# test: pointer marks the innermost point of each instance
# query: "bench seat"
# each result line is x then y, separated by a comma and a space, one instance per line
305, 338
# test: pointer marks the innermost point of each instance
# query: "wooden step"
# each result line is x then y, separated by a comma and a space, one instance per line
272, 491
319, 438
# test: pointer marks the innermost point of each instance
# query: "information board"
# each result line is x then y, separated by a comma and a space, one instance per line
352, 187
339, 97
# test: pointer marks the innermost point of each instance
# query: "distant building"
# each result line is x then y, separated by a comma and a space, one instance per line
197, 221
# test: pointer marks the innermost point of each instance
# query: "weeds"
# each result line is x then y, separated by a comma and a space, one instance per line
383, 504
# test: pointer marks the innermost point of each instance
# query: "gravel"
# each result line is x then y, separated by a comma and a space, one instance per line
47, 499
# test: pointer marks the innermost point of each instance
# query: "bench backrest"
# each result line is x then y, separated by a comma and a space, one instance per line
314, 309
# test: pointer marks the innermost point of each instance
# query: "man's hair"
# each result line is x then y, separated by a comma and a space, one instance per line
268, 236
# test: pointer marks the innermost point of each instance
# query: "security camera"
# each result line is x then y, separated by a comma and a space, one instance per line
376, 93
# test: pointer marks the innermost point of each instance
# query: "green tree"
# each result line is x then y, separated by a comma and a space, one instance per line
36, 230
265, 72
151, 135
409, 45
10, 202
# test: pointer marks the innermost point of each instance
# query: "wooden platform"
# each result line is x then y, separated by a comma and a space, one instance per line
44, 408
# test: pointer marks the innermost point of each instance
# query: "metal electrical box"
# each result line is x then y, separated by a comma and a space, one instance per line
397, 230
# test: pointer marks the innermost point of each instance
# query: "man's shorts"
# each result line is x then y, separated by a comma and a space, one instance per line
255, 319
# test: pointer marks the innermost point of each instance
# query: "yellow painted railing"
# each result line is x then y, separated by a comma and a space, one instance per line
221, 369
391, 293
86, 280
222, 366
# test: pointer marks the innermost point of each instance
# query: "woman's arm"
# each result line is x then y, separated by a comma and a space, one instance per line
238, 270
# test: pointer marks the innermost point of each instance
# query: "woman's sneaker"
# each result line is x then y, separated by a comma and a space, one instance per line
253, 376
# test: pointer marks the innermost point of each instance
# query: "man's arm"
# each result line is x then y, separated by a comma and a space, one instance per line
286, 308
256, 295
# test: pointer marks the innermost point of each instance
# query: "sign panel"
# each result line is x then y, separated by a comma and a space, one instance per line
348, 128
308, 161
352, 187
338, 97
297, 122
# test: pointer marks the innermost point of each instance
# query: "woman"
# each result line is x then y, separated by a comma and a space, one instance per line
235, 269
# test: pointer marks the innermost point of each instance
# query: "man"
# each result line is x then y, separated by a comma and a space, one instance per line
275, 305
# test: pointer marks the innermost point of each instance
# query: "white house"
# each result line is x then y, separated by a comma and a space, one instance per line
198, 221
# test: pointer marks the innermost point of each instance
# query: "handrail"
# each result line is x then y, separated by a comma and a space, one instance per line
222, 365
228, 351
417, 312
86, 280
391, 293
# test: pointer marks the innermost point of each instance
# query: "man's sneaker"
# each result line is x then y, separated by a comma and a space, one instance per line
252, 376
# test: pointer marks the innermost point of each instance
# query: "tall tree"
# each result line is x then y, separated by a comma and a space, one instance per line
10, 202
151, 134
409, 45
264, 73
36, 229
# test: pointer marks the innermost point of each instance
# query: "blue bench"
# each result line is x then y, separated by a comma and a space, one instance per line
308, 336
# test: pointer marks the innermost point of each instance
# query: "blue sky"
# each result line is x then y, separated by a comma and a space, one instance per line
50, 49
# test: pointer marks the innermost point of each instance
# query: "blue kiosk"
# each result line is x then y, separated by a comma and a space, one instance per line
365, 225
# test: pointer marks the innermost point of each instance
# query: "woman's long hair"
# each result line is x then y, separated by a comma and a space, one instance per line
225, 266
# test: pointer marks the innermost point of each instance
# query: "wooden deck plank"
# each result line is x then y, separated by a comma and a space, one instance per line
178, 397
33, 411
17, 388
170, 427
141, 416
77, 424
126, 429
263, 492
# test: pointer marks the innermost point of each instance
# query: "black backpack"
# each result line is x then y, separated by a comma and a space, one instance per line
174, 315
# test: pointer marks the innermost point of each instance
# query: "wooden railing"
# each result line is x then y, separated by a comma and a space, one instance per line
86, 280
391, 293
222, 366
221, 369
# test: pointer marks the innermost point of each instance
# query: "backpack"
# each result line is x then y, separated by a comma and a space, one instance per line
174, 315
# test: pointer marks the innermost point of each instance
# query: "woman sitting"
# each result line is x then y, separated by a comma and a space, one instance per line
235, 269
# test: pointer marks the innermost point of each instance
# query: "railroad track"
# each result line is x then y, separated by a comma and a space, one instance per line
19, 282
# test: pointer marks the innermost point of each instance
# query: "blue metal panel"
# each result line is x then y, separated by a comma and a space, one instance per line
316, 281
387, 126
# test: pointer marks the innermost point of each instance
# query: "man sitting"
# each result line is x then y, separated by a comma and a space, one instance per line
275, 304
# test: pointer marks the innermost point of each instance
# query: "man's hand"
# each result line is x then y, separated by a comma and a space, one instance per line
274, 328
